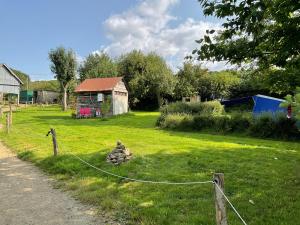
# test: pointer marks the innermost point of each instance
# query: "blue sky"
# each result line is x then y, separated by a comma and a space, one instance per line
29, 29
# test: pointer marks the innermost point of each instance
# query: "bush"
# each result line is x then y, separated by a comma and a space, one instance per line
202, 122
222, 123
240, 122
219, 123
177, 121
212, 107
279, 126
210, 116
285, 128
263, 125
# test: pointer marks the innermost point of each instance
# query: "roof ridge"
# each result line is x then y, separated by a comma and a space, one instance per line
11, 72
102, 78
98, 84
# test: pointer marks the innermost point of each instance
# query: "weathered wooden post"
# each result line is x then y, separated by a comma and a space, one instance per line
1, 112
55, 145
10, 114
221, 217
7, 122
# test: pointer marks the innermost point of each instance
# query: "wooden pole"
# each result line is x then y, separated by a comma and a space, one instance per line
10, 114
55, 146
1, 112
7, 122
221, 217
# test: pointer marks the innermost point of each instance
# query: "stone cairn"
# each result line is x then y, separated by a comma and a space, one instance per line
119, 155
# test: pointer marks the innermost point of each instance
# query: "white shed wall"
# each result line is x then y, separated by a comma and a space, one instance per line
120, 99
8, 83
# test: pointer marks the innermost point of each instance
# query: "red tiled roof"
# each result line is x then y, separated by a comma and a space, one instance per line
98, 84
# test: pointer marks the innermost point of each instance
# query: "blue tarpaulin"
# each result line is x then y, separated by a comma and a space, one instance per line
236, 101
264, 103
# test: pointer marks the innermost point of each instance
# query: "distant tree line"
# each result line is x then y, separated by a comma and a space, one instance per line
151, 82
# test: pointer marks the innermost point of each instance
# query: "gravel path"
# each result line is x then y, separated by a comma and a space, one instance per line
27, 197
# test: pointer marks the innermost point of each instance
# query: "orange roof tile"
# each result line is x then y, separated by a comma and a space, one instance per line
98, 84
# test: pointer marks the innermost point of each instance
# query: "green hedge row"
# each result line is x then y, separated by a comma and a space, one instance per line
211, 107
266, 125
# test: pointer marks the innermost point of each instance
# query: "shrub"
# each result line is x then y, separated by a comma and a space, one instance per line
240, 122
274, 126
285, 128
177, 121
202, 122
177, 107
222, 123
210, 116
212, 107
263, 125
161, 119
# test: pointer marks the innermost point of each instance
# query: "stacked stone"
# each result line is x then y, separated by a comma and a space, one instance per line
119, 155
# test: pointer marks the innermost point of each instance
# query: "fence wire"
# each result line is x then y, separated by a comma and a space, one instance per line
141, 180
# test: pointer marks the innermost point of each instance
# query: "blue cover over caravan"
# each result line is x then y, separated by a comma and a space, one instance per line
264, 103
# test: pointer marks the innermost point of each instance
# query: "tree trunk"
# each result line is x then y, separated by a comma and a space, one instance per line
159, 100
64, 103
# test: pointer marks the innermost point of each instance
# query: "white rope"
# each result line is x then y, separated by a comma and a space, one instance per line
161, 182
141, 181
234, 209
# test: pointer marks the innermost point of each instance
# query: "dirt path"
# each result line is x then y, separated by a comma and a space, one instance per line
28, 198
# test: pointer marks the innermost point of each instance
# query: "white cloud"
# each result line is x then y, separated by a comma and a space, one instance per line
147, 27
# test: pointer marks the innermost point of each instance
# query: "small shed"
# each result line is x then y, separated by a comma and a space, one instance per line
26, 96
45, 97
192, 99
95, 95
10, 83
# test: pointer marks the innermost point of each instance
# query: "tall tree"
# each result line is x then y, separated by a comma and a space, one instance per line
195, 80
147, 77
263, 31
98, 65
63, 65
188, 78
131, 65
156, 81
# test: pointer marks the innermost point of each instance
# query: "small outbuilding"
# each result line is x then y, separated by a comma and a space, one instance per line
26, 96
101, 96
39, 97
45, 97
10, 83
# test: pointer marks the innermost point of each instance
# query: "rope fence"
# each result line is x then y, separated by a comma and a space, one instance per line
147, 181
163, 182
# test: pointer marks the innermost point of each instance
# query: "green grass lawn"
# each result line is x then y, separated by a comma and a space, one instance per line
264, 171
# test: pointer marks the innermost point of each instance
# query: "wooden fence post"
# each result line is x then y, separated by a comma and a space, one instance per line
55, 146
7, 122
221, 217
10, 114
1, 112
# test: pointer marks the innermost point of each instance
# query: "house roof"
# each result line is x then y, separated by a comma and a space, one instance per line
11, 72
98, 84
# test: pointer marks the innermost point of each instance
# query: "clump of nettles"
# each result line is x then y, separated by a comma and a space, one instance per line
119, 154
